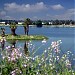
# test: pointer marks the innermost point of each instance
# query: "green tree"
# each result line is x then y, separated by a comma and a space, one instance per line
26, 24
13, 28
39, 23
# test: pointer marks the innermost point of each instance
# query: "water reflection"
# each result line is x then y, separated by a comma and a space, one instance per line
26, 51
2, 32
2, 42
13, 43
25, 46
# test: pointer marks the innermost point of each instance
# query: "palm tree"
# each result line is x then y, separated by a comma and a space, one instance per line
13, 28
26, 24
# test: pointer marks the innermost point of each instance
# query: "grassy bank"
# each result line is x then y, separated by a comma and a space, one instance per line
25, 37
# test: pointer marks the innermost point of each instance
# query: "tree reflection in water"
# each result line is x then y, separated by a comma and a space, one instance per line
2, 42
26, 48
13, 45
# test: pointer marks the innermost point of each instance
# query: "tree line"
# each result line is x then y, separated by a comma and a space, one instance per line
27, 22
42, 22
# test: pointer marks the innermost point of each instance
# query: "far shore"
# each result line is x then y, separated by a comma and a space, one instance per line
43, 25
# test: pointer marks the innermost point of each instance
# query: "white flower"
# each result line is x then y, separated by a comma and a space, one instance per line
3, 57
50, 64
48, 48
25, 65
68, 63
44, 41
8, 47
33, 58
45, 51
57, 57
12, 46
37, 73
39, 64
13, 72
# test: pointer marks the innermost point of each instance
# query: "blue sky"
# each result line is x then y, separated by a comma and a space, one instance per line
37, 9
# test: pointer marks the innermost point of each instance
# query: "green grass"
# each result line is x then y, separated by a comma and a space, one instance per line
25, 37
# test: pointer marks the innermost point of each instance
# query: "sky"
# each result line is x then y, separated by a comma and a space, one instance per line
37, 9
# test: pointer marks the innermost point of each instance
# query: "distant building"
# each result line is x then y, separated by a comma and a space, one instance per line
50, 23
20, 23
2, 22
43, 23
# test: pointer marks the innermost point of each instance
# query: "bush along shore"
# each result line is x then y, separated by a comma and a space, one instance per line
24, 37
15, 62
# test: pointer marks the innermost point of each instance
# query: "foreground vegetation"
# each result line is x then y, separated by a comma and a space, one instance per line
19, 61
50, 62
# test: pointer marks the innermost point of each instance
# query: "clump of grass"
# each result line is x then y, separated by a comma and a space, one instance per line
15, 62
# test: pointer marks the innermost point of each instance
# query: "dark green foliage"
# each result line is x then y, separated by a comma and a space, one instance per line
13, 28
39, 23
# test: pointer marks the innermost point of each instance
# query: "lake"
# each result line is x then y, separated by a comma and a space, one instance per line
65, 34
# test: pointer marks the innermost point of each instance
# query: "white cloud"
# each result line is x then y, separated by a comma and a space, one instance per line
34, 17
57, 7
2, 13
71, 11
13, 7
8, 17
68, 14
35, 11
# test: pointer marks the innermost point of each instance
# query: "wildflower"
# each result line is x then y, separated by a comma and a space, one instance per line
3, 57
57, 57
39, 64
56, 49
27, 58
12, 46
68, 63
8, 47
59, 41
25, 65
13, 59
44, 41
54, 44
33, 58
45, 51
42, 59
20, 54
63, 57
37, 73
50, 64
48, 48
36, 57
13, 73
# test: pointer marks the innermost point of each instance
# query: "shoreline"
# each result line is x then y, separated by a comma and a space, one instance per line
46, 25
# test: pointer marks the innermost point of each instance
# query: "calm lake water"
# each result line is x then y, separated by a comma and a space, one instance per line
66, 35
